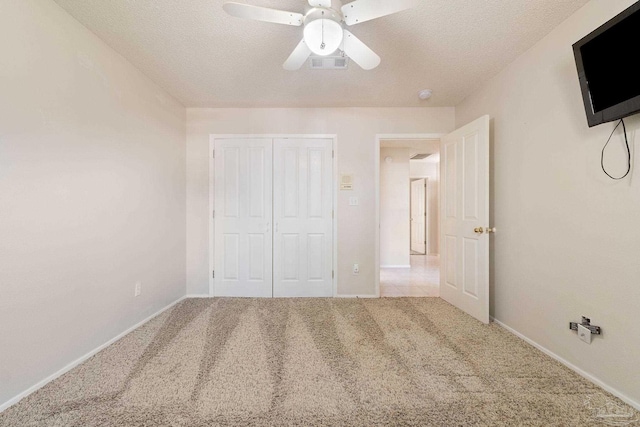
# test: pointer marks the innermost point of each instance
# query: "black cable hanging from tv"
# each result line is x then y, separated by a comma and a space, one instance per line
626, 142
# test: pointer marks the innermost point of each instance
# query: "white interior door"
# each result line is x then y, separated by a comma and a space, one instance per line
419, 216
464, 277
303, 210
243, 218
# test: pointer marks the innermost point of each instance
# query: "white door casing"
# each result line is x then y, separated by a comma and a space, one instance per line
464, 277
419, 216
303, 211
243, 218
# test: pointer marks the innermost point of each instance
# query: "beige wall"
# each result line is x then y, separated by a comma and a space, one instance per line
92, 194
568, 237
430, 170
356, 129
395, 234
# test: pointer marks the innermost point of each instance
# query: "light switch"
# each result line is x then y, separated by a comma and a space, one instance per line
353, 201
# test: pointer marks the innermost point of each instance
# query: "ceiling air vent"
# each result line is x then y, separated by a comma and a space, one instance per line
329, 63
341, 63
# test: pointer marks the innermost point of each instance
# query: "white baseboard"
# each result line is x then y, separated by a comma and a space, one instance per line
81, 359
198, 296
571, 366
395, 266
356, 296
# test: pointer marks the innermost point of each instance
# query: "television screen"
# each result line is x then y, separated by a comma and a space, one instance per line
610, 83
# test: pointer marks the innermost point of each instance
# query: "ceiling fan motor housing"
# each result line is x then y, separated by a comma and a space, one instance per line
333, 13
323, 30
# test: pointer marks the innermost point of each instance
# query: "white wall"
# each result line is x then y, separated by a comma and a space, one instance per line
568, 237
92, 194
356, 129
395, 231
431, 170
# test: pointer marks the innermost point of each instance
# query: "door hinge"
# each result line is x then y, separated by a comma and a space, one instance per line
213, 215
332, 214
213, 274
333, 153
214, 154
332, 274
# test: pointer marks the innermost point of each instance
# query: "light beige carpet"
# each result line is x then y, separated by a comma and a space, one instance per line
209, 362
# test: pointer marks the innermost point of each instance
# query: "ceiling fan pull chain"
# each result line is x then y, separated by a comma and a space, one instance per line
322, 45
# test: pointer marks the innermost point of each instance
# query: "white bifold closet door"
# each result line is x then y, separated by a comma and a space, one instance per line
302, 215
243, 218
273, 218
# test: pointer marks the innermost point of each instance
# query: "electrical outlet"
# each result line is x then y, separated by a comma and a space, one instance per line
356, 269
353, 201
138, 289
584, 334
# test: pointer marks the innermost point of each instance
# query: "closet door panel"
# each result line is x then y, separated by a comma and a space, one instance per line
243, 248
303, 210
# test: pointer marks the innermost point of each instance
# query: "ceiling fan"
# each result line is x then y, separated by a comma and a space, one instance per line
323, 27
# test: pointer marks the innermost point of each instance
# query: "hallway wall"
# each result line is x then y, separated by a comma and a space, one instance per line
395, 237
431, 170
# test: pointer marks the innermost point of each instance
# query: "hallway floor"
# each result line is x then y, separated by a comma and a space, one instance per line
421, 280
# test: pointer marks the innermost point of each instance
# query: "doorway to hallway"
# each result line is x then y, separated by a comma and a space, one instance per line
464, 211
409, 216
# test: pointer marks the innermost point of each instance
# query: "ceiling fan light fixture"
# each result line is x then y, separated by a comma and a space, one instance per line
323, 36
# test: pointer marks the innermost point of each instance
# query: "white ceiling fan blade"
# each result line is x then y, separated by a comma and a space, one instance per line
298, 57
360, 52
320, 3
241, 10
360, 11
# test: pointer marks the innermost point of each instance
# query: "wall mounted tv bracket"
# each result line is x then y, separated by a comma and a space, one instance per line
586, 322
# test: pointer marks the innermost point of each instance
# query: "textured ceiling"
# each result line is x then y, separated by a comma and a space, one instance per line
206, 58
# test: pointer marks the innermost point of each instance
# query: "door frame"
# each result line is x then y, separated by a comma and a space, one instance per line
212, 186
376, 160
426, 209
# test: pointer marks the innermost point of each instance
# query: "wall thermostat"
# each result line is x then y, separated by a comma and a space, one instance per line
346, 182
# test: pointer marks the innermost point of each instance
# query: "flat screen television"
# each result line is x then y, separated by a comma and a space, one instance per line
605, 60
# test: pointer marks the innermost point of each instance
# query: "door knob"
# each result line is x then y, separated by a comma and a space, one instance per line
478, 230
491, 230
